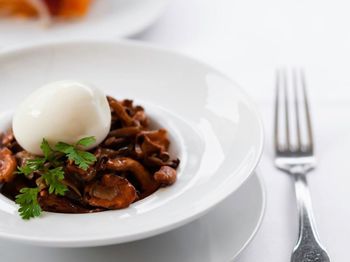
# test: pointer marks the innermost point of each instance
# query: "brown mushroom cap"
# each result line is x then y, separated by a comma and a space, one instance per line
153, 142
7, 138
165, 176
120, 112
8, 165
131, 131
53, 203
22, 157
112, 192
84, 175
126, 164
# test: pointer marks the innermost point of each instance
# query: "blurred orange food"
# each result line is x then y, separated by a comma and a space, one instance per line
65, 9
68, 8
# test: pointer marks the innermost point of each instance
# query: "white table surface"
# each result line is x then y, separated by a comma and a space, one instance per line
247, 40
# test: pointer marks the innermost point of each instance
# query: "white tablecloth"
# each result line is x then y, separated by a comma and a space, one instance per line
248, 39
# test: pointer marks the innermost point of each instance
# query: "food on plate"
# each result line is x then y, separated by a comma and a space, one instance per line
45, 9
71, 149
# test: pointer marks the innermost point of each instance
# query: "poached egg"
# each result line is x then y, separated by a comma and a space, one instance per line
63, 111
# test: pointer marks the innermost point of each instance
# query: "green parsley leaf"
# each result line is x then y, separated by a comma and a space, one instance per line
53, 178
28, 202
87, 156
89, 159
86, 141
47, 150
25, 170
37, 162
31, 165
81, 158
63, 147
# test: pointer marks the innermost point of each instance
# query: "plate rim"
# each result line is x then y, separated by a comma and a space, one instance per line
230, 254
16, 49
262, 185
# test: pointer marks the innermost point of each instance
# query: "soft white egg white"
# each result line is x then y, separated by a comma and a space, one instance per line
63, 111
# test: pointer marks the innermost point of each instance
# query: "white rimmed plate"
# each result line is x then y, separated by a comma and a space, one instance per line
216, 132
219, 236
106, 19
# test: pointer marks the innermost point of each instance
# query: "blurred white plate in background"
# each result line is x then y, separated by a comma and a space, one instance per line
106, 19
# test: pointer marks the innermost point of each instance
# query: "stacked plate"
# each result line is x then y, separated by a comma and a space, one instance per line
218, 136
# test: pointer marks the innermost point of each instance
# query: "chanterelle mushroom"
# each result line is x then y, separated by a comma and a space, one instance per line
50, 202
8, 165
153, 142
112, 192
165, 176
85, 175
126, 164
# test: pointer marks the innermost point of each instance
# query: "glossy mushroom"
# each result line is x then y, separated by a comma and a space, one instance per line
120, 112
143, 177
8, 165
112, 192
165, 176
53, 203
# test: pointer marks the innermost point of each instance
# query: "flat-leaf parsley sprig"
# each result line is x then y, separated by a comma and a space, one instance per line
28, 202
53, 178
81, 158
50, 167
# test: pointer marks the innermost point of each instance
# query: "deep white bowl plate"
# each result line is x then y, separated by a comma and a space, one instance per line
215, 131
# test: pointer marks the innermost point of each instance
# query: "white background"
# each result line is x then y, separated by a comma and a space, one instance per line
248, 40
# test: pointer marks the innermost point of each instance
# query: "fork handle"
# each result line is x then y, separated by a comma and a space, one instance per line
307, 228
308, 247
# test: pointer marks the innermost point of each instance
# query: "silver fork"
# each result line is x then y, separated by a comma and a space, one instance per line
296, 157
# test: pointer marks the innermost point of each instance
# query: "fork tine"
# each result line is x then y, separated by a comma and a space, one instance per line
276, 136
286, 109
297, 112
307, 113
